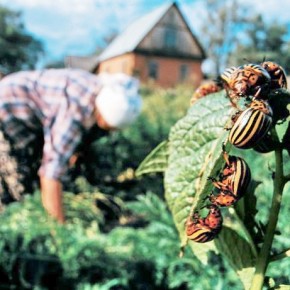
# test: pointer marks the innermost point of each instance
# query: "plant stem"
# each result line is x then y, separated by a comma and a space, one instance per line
263, 258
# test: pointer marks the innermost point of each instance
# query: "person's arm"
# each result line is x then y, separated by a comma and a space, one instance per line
61, 138
51, 195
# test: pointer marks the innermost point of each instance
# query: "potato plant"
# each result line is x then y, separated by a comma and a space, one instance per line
193, 154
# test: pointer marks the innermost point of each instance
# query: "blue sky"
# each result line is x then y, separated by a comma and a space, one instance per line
76, 27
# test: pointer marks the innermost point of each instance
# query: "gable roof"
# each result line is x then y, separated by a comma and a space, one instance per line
129, 39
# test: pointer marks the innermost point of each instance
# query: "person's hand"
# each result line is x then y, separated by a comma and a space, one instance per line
51, 195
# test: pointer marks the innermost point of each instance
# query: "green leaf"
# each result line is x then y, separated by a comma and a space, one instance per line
232, 245
156, 161
195, 153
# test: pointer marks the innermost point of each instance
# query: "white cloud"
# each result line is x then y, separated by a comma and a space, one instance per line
73, 26
63, 6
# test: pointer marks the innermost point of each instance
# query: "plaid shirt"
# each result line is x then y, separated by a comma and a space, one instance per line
58, 103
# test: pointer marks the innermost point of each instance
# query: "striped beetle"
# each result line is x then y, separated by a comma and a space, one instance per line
228, 74
233, 181
277, 74
246, 80
223, 198
227, 79
251, 125
203, 230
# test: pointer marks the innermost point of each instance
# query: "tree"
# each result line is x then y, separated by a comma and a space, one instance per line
219, 31
263, 41
232, 33
18, 49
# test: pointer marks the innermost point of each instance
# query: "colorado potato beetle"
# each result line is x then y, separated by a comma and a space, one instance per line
228, 74
277, 74
223, 198
246, 80
203, 230
233, 182
251, 125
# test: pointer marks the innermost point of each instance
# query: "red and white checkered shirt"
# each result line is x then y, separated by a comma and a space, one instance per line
58, 102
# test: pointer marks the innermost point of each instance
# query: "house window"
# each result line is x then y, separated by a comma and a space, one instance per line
183, 72
170, 38
153, 70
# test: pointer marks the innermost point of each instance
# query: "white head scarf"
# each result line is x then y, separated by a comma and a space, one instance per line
118, 101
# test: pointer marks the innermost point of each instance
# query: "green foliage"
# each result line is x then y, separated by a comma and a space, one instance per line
18, 49
72, 256
110, 243
106, 243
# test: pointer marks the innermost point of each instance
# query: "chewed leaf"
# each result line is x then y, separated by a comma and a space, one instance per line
212, 167
195, 149
156, 161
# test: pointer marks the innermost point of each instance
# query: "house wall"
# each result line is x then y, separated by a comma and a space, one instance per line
124, 63
168, 69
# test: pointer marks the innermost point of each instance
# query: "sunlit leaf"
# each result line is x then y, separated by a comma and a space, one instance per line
246, 276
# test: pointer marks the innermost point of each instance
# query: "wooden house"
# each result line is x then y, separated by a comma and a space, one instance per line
158, 47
